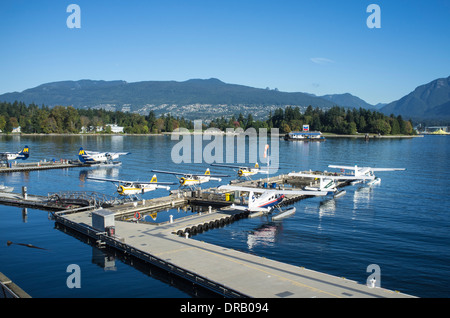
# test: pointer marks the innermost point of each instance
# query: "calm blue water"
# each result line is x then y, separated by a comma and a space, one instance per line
402, 225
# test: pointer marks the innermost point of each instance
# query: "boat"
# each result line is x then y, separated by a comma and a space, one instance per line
304, 136
4, 188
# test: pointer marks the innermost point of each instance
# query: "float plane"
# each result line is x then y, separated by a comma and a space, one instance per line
95, 157
327, 182
132, 188
243, 171
23, 154
267, 199
191, 180
366, 172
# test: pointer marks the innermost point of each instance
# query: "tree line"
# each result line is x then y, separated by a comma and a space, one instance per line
338, 120
61, 119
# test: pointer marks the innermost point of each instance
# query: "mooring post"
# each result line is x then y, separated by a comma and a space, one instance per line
24, 192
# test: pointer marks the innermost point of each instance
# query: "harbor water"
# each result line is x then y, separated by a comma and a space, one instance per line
402, 225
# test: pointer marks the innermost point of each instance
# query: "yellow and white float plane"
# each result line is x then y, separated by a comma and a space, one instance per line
132, 188
192, 180
243, 171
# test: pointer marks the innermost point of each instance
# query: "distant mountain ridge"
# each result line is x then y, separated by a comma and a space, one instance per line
210, 91
429, 101
210, 98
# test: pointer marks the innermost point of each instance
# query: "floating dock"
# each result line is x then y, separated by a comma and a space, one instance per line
41, 165
225, 271
10, 290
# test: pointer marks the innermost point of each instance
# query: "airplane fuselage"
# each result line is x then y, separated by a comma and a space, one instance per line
23, 154
266, 200
131, 189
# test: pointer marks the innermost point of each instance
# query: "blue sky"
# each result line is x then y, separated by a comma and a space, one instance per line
320, 47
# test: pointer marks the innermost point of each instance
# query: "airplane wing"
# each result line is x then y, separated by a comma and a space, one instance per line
117, 153
135, 182
108, 180
307, 175
191, 174
262, 190
387, 169
343, 167
366, 168
171, 172
227, 166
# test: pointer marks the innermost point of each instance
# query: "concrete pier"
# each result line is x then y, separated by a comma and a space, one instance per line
228, 272
32, 166
8, 289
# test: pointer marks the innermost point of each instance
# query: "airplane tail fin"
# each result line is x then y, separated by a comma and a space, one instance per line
25, 152
256, 165
251, 200
154, 179
207, 172
81, 153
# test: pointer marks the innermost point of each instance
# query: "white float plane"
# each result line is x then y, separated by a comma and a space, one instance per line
23, 154
95, 157
268, 198
366, 171
243, 171
131, 188
192, 179
326, 182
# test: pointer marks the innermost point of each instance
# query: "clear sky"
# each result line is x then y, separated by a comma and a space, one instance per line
316, 46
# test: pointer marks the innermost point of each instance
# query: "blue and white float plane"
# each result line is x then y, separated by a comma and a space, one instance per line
131, 188
267, 199
95, 157
23, 154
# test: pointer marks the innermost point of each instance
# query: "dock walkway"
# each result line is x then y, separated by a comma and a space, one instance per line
32, 166
229, 272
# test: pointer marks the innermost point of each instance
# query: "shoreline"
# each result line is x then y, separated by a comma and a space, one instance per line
215, 133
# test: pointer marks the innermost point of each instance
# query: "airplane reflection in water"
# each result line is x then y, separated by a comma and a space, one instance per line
100, 172
265, 235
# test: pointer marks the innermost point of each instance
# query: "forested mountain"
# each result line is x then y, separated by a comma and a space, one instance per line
211, 98
430, 101
211, 91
